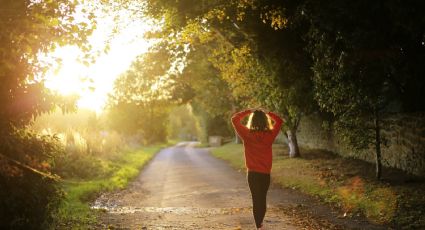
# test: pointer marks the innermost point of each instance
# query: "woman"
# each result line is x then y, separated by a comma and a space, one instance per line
258, 137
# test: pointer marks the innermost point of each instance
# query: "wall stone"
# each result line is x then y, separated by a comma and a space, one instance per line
405, 148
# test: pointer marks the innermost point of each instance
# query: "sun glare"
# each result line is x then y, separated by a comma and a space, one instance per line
93, 82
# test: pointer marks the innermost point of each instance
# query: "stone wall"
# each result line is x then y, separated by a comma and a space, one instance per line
405, 148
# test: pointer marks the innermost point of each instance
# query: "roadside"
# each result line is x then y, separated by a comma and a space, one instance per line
75, 212
347, 184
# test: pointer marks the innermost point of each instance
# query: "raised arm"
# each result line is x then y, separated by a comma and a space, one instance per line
277, 122
236, 121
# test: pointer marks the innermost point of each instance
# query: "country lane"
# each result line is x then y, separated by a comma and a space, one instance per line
184, 187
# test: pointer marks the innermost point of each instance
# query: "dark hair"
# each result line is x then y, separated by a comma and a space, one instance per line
258, 121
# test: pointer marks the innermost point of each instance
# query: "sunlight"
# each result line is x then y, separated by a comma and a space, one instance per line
68, 78
94, 81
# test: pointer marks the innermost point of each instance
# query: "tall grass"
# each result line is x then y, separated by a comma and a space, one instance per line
75, 209
94, 160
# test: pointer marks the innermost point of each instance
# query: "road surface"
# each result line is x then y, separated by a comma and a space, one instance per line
186, 188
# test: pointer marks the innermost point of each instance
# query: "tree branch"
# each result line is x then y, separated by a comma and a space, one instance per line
31, 169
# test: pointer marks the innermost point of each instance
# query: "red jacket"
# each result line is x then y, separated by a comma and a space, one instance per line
258, 145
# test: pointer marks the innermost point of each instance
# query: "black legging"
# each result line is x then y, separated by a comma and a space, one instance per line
259, 185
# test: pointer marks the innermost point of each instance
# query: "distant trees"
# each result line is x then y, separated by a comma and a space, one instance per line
147, 92
210, 96
141, 99
183, 124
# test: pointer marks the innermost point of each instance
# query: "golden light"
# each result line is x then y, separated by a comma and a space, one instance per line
93, 82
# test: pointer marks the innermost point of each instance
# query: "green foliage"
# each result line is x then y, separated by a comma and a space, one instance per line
359, 61
23, 206
27, 147
58, 121
210, 96
86, 143
74, 210
81, 166
209, 92
124, 118
25, 174
259, 63
94, 160
218, 126
29, 29
148, 123
369, 47
141, 101
361, 57
349, 84
183, 125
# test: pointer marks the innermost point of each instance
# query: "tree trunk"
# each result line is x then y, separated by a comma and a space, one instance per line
378, 160
237, 138
294, 150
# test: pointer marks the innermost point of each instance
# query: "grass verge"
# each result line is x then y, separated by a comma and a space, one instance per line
347, 183
74, 211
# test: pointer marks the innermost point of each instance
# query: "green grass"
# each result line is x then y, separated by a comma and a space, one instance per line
232, 153
346, 183
202, 145
75, 210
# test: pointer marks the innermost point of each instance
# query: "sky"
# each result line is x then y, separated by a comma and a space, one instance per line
93, 82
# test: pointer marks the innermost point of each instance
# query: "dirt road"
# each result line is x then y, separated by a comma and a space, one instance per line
186, 188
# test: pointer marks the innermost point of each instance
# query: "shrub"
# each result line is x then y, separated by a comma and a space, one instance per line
29, 192
85, 154
81, 166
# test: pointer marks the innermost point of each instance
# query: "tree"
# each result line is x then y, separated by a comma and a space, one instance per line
183, 124
271, 69
198, 82
29, 29
141, 99
249, 53
361, 58
365, 63
211, 98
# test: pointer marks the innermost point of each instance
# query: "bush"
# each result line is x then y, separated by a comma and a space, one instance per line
27, 201
29, 193
86, 154
81, 166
